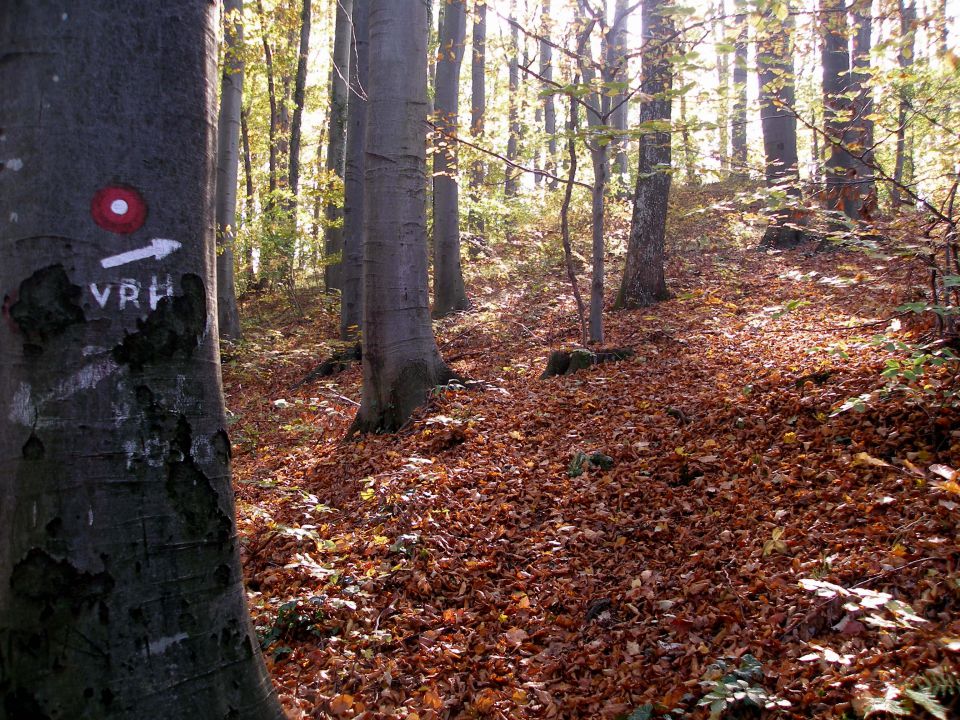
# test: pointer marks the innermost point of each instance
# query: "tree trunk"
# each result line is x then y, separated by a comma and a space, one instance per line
449, 294
249, 196
779, 126
686, 141
723, 83
121, 594
908, 15
351, 297
549, 106
572, 128
337, 139
840, 171
478, 102
299, 97
228, 155
863, 108
401, 363
617, 59
274, 113
738, 130
643, 277
513, 116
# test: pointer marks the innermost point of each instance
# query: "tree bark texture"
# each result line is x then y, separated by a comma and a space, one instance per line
121, 593
299, 97
511, 184
549, 106
351, 296
337, 139
617, 58
478, 86
738, 130
228, 157
908, 15
840, 170
863, 108
643, 275
273, 128
723, 83
778, 124
401, 363
449, 293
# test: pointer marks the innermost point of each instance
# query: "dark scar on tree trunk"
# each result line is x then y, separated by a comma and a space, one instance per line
171, 331
47, 304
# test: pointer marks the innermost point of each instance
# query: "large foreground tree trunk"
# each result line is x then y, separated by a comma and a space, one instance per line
121, 593
351, 296
449, 294
337, 139
643, 277
778, 123
401, 363
228, 158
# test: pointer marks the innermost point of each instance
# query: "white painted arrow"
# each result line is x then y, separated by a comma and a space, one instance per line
158, 248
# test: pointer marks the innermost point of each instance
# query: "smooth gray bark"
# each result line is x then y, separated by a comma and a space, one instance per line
228, 157
478, 103
336, 140
351, 297
401, 363
643, 274
778, 124
723, 82
511, 183
617, 60
738, 130
908, 14
273, 128
862, 120
121, 594
249, 196
449, 294
549, 107
299, 98
840, 171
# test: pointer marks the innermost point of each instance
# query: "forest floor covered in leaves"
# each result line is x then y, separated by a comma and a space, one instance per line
463, 568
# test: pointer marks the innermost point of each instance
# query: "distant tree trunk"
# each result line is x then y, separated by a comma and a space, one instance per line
617, 58
572, 128
121, 591
738, 131
250, 197
274, 112
299, 97
478, 102
513, 116
228, 136
723, 83
401, 363
351, 297
908, 15
643, 277
863, 109
337, 138
686, 141
449, 294
840, 171
779, 125
549, 106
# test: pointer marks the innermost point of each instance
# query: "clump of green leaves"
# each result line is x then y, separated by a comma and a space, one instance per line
582, 461
735, 690
295, 620
934, 692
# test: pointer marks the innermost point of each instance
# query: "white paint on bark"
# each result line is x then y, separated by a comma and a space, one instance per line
14, 164
14, 217
22, 410
158, 647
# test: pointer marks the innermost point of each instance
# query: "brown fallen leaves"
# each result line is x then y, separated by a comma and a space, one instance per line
456, 569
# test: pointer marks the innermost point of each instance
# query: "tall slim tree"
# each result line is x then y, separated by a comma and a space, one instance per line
861, 120
351, 297
549, 107
513, 101
228, 155
840, 170
299, 99
617, 61
273, 128
121, 593
449, 294
778, 123
723, 85
337, 137
401, 363
643, 274
906, 9
738, 129
478, 102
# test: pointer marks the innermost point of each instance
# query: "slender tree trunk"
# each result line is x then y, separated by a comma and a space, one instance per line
617, 59
228, 132
686, 141
779, 126
572, 128
549, 106
723, 83
274, 113
249, 196
840, 171
478, 102
337, 139
299, 97
863, 109
401, 363
643, 277
449, 294
513, 116
738, 130
121, 593
908, 14
351, 297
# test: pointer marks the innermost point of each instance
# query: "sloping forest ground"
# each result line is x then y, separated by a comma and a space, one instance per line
462, 567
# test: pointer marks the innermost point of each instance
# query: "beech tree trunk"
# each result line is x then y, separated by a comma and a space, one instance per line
643, 276
249, 196
549, 106
121, 593
513, 114
478, 102
723, 82
738, 129
779, 126
908, 14
617, 59
401, 363
862, 119
299, 97
351, 296
840, 170
336, 140
449, 294
228, 157
273, 128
